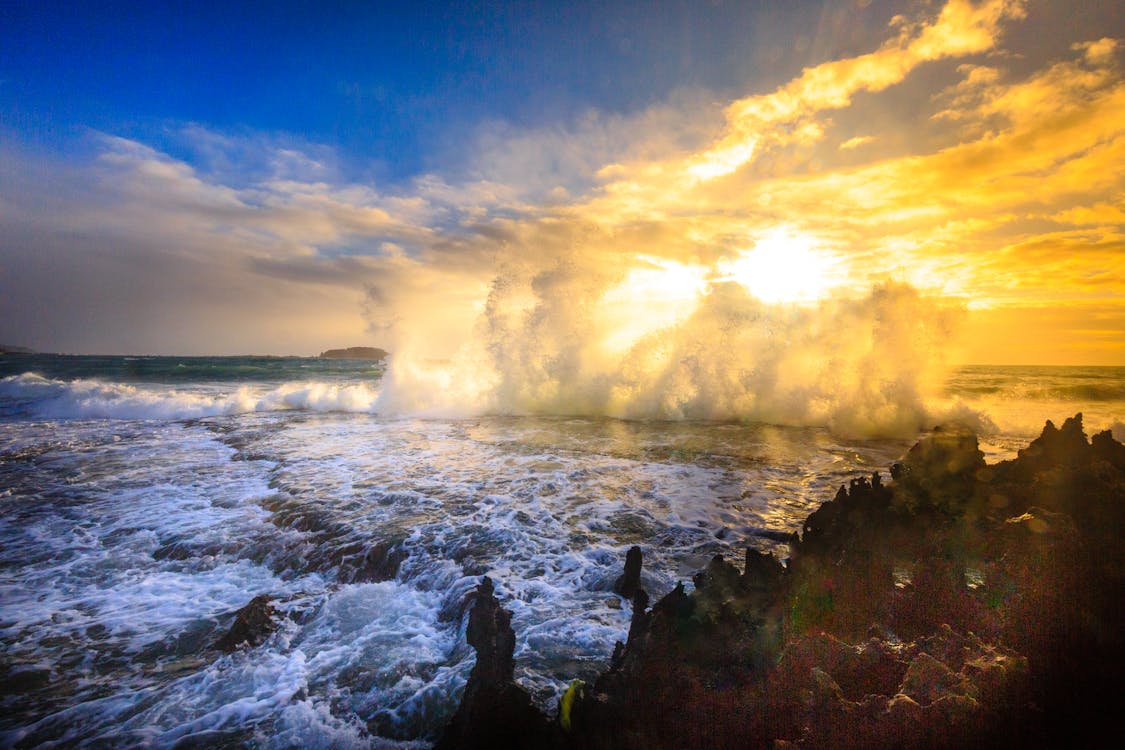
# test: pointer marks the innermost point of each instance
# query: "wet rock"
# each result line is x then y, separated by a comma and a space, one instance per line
17, 680
490, 633
494, 712
630, 581
379, 562
252, 625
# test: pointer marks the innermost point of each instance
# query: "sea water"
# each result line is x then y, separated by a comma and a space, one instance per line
143, 500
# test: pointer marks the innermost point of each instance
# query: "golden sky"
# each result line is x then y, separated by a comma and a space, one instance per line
957, 153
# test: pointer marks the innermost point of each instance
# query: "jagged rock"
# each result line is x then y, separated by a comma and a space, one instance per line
963, 605
630, 581
858, 509
494, 712
940, 473
1107, 449
379, 562
252, 625
902, 710
762, 571
490, 633
1066, 446
721, 574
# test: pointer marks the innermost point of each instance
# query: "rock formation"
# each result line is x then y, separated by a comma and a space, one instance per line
961, 605
252, 625
495, 712
630, 581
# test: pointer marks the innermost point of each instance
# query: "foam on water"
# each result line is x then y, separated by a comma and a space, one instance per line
97, 399
129, 544
136, 518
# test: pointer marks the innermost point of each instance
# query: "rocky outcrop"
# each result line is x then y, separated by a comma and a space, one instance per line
960, 605
495, 712
252, 625
355, 352
630, 581
376, 562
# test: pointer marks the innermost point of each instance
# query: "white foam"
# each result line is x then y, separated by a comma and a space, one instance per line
97, 399
861, 367
546, 506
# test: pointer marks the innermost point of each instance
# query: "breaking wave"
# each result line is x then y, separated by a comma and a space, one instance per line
33, 394
554, 344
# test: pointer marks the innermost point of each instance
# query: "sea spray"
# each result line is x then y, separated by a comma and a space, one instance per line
551, 344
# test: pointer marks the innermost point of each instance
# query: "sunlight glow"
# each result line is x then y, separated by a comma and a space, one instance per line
666, 291
781, 267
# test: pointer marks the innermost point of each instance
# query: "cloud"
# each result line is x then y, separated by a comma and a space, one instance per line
949, 157
1100, 52
856, 142
960, 28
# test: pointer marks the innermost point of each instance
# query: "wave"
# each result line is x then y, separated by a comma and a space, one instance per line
865, 367
97, 399
1079, 392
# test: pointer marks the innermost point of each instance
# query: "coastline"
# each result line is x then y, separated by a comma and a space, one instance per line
959, 605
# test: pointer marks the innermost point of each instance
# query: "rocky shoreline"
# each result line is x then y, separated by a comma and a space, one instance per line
958, 605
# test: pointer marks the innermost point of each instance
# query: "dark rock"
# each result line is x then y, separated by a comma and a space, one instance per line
718, 573
870, 668
494, 712
1107, 449
490, 633
773, 535
939, 474
630, 581
252, 625
379, 562
961, 605
17, 680
762, 571
927, 679
1053, 447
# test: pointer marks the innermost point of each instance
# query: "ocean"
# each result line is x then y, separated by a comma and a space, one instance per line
143, 500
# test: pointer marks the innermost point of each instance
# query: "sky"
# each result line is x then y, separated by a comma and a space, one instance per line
288, 177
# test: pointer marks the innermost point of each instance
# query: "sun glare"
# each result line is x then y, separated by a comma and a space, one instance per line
781, 267
665, 290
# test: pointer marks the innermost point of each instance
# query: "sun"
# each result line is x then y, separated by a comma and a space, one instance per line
781, 267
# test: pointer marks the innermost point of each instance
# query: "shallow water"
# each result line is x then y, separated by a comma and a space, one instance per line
136, 516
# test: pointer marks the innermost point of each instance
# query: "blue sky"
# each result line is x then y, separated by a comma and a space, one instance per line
393, 85
290, 177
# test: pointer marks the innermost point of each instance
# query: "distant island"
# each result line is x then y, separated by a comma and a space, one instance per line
7, 349
355, 352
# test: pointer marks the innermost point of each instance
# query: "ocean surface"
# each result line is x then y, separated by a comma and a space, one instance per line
143, 500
